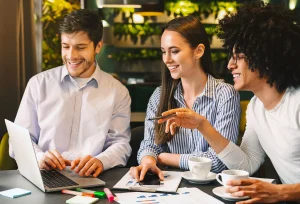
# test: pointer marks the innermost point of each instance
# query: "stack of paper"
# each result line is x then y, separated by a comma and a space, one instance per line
82, 200
183, 195
15, 192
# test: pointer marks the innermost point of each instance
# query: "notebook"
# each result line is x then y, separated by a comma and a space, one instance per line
15, 192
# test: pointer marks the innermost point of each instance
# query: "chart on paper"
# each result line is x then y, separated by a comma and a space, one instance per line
183, 195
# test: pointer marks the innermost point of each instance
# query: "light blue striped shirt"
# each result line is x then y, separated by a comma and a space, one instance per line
218, 102
91, 119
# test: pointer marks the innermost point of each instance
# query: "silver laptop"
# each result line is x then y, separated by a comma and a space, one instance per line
47, 181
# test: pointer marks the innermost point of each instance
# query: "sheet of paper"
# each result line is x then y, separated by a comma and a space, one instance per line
15, 192
169, 184
184, 195
82, 200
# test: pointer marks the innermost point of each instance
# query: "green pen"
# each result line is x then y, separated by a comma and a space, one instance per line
97, 194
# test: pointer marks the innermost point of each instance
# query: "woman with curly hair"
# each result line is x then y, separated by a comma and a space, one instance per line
187, 81
265, 44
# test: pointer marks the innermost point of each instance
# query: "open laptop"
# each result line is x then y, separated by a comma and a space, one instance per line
47, 181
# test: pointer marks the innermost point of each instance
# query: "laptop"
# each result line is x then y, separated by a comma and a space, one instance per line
47, 181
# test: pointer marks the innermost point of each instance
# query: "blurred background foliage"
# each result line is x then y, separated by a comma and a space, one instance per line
53, 10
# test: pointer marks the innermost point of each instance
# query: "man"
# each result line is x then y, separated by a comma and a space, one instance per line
77, 114
265, 43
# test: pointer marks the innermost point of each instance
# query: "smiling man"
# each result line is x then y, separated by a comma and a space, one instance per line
77, 114
265, 44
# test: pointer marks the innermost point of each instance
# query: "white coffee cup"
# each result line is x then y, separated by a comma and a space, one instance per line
233, 174
199, 167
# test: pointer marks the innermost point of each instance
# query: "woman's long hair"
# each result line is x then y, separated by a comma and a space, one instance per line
192, 30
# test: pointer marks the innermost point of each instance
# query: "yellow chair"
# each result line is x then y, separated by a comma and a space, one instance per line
242, 126
6, 162
244, 105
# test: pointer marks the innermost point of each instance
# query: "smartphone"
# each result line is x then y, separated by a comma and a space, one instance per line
162, 117
150, 179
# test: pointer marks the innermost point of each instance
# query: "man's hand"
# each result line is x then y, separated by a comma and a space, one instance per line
185, 117
53, 160
148, 163
87, 165
259, 191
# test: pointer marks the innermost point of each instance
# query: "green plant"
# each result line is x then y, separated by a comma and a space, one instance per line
53, 10
201, 8
137, 54
143, 31
136, 31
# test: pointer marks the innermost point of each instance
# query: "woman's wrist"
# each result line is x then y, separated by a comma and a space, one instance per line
148, 159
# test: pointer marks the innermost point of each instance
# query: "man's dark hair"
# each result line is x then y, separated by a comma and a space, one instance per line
83, 20
269, 36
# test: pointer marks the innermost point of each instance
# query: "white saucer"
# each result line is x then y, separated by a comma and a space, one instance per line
188, 176
220, 191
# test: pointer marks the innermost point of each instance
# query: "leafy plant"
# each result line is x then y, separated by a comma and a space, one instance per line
137, 54
201, 8
136, 31
53, 10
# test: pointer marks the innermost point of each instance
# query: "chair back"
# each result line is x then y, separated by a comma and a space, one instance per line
137, 135
243, 121
6, 162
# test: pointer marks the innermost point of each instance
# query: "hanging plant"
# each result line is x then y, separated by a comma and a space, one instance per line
198, 8
137, 54
52, 11
136, 31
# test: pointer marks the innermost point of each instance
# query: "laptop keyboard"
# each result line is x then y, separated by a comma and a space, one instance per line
54, 179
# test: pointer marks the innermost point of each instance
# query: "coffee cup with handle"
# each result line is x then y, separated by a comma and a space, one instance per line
199, 167
233, 174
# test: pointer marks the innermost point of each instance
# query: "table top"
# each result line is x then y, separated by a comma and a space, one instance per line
13, 179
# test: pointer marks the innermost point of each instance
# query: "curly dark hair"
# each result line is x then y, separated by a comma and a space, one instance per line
83, 20
269, 36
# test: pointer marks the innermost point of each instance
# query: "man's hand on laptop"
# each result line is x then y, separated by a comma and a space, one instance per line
53, 160
87, 166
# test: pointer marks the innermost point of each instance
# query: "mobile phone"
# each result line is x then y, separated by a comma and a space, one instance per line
162, 117
150, 179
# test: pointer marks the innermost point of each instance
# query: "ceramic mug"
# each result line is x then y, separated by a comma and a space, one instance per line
227, 175
199, 167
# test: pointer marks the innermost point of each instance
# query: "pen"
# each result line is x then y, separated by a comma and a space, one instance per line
77, 193
97, 194
163, 117
109, 195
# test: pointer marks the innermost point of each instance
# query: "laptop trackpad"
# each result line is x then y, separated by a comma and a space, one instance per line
81, 180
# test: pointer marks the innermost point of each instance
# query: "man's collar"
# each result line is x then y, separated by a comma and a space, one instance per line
95, 76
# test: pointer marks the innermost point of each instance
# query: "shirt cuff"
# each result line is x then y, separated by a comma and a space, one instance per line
183, 161
105, 161
229, 148
146, 153
39, 155
38, 152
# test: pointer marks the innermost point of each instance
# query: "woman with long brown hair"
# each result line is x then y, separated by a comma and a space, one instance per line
187, 81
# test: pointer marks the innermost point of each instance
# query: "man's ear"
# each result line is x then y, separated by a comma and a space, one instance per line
99, 46
199, 51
